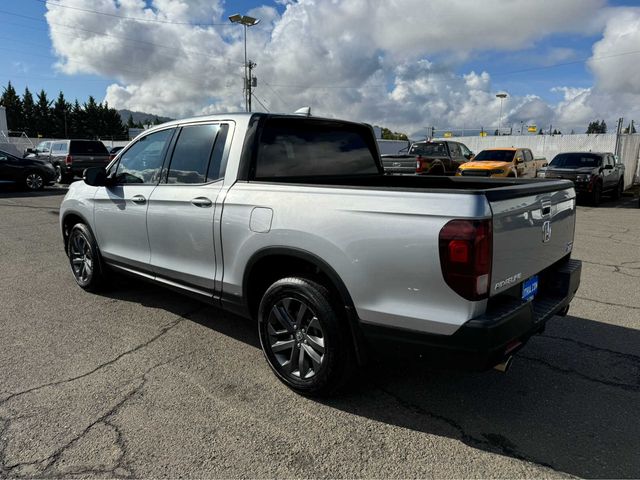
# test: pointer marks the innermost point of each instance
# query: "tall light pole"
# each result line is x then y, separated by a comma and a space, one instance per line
501, 96
245, 21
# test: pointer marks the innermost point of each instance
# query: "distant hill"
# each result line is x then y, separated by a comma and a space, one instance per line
141, 117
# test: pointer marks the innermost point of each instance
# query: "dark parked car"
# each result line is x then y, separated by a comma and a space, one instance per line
114, 151
30, 173
71, 157
592, 173
428, 158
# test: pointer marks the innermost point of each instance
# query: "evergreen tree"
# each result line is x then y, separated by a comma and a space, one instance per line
540, 132
13, 105
130, 123
60, 117
92, 118
77, 122
42, 113
603, 127
28, 113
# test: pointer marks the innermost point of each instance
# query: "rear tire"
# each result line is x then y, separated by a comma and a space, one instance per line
306, 343
84, 259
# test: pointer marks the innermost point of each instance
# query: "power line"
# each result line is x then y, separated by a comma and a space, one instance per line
258, 100
124, 17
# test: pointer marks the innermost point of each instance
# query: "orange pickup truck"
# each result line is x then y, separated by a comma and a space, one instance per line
503, 162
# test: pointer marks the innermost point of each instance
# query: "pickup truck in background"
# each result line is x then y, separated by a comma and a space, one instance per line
292, 221
503, 162
592, 173
71, 157
428, 158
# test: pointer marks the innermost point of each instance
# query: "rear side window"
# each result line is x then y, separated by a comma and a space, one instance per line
198, 154
88, 148
301, 148
59, 148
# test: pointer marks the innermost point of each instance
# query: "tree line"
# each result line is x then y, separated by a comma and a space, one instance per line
41, 117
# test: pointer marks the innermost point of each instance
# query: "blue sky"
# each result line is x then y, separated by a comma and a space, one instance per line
534, 66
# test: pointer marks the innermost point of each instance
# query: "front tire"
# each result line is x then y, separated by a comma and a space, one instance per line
33, 181
617, 193
306, 343
84, 258
596, 195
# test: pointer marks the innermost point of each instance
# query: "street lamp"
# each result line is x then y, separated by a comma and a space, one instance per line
501, 96
245, 21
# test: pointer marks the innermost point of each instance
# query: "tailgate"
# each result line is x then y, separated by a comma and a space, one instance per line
531, 231
88, 161
399, 164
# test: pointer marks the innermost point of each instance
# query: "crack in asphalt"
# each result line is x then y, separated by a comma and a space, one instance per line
492, 442
608, 303
594, 348
50, 461
616, 268
569, 371
135, 349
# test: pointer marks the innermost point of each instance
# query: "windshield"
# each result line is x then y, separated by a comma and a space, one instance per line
428, 149
495, 156
576, 160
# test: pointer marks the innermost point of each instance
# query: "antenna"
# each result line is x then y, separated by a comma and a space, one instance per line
306, 111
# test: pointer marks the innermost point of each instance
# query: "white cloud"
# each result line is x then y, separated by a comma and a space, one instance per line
362, 60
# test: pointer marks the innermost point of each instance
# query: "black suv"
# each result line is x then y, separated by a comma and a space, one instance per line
592, 173
71, 157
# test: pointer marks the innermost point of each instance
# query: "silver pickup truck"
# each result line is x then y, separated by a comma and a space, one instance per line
291, 221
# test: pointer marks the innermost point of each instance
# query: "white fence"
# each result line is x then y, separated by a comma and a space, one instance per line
550, 145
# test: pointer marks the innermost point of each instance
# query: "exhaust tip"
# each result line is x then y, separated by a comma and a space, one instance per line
504, 366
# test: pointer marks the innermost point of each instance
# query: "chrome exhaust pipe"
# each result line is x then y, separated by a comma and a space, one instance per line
504, 365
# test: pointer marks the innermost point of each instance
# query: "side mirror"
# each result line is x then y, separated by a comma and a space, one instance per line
95, 176
518, 160
30, 150
608, 167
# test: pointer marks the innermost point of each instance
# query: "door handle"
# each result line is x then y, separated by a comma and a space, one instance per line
139, 199
202, 202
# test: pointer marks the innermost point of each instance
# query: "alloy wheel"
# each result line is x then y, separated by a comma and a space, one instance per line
34, 181
296, 338
81, 257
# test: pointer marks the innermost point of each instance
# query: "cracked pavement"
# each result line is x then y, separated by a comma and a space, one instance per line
143, 382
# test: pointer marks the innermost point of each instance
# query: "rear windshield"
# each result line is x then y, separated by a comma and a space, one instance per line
302, 148
428, 149
88, 148
576, 160
495, 156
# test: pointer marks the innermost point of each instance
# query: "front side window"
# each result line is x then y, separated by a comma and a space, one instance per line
198, 154
454, 148
528, 157
142, 162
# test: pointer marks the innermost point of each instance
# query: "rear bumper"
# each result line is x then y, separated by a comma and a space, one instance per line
487, 340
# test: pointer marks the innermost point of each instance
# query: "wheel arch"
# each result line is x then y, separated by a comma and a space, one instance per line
269, 264
70, 219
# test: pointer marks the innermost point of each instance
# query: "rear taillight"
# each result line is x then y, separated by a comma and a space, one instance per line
111, 157
68, 160
465, 257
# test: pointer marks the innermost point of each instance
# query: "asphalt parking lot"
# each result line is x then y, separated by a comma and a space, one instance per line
142, 382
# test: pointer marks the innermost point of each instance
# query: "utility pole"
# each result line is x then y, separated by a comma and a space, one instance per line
251, 82
246, 21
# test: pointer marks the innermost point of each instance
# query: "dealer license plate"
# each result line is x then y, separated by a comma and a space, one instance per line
530, 288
